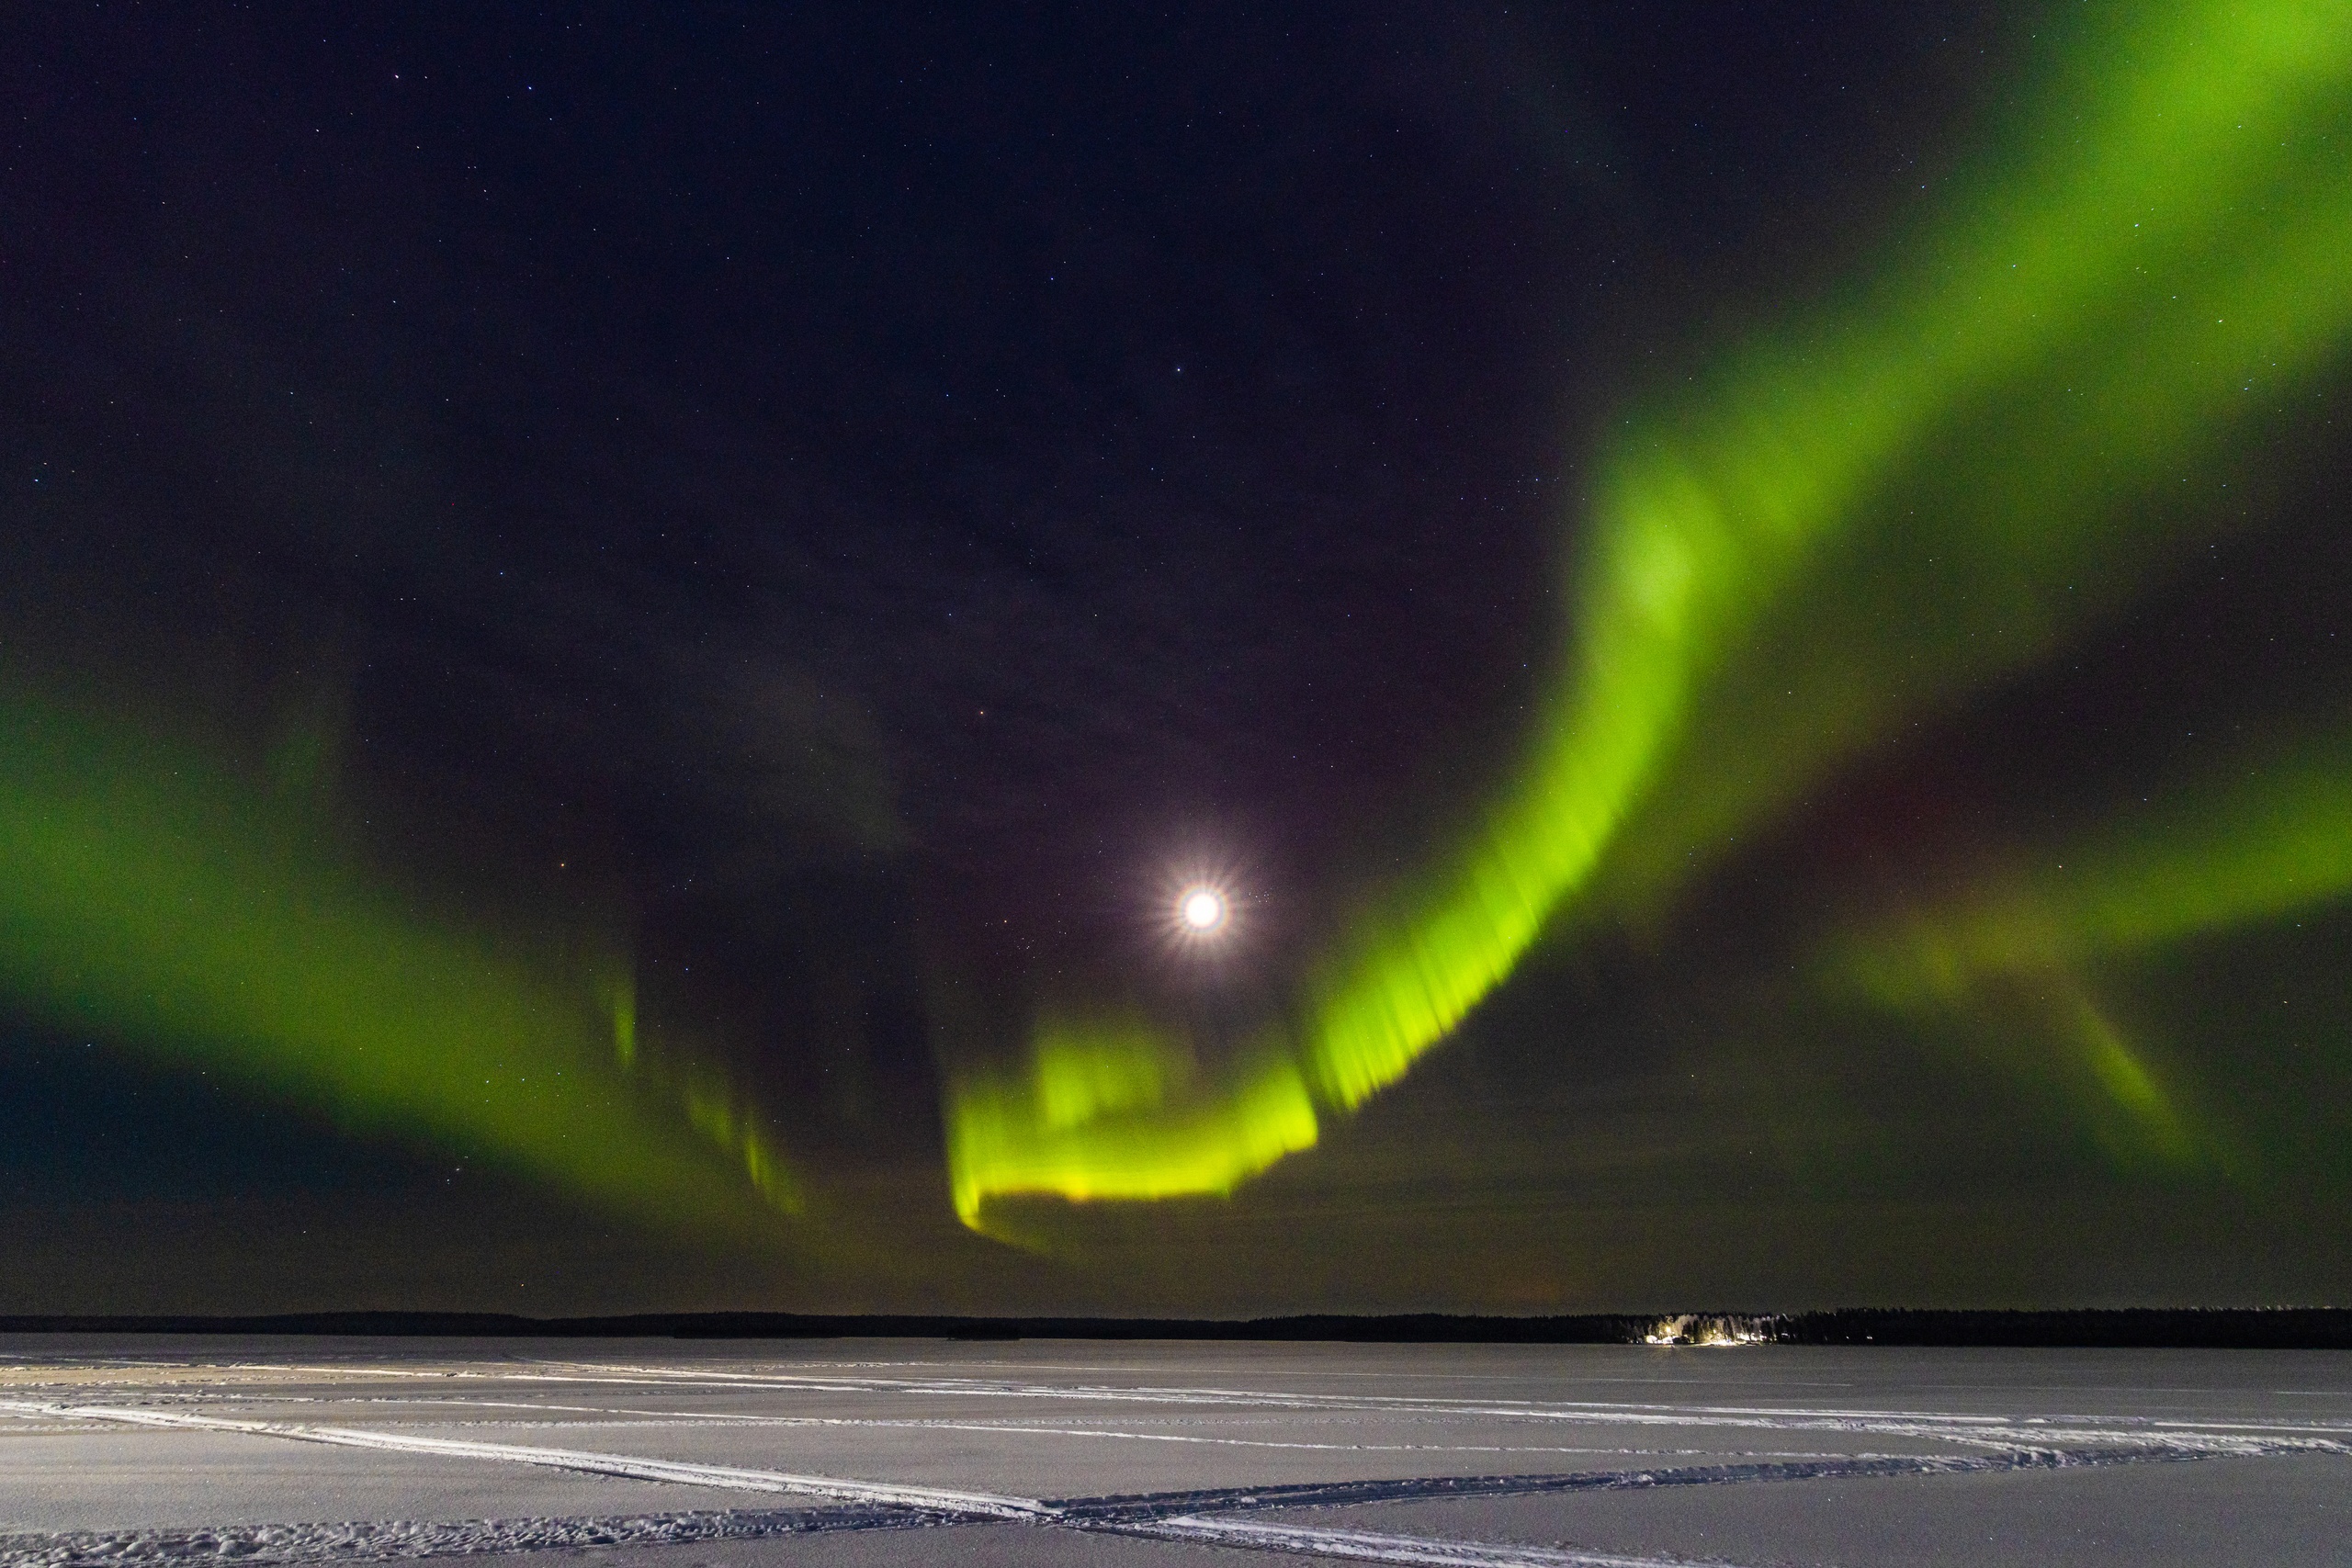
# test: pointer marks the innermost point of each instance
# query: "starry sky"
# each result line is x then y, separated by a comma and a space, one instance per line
621, 628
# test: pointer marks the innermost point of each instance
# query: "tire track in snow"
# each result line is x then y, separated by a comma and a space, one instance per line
927, 1499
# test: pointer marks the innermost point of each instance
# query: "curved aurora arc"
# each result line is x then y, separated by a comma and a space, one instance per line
2267, 835
150, 893
2165, 241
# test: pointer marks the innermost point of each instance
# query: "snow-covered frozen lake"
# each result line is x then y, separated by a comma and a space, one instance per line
662, 1453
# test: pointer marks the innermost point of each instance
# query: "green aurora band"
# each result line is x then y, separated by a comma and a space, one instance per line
1869, 510
155, 895
2267, 839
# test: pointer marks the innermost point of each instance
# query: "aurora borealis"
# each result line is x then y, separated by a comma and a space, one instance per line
2124, 221
1752, 648
148, 894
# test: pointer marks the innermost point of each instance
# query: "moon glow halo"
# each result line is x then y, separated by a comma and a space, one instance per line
1201, 910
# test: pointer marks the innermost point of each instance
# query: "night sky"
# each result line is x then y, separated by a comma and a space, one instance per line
622, 628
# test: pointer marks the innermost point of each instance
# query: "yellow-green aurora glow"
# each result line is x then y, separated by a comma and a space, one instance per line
2264, 839
155, 894
1868, 508
2270, 837
1122, 1112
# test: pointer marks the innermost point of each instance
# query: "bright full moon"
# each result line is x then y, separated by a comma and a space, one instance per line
1202, 910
